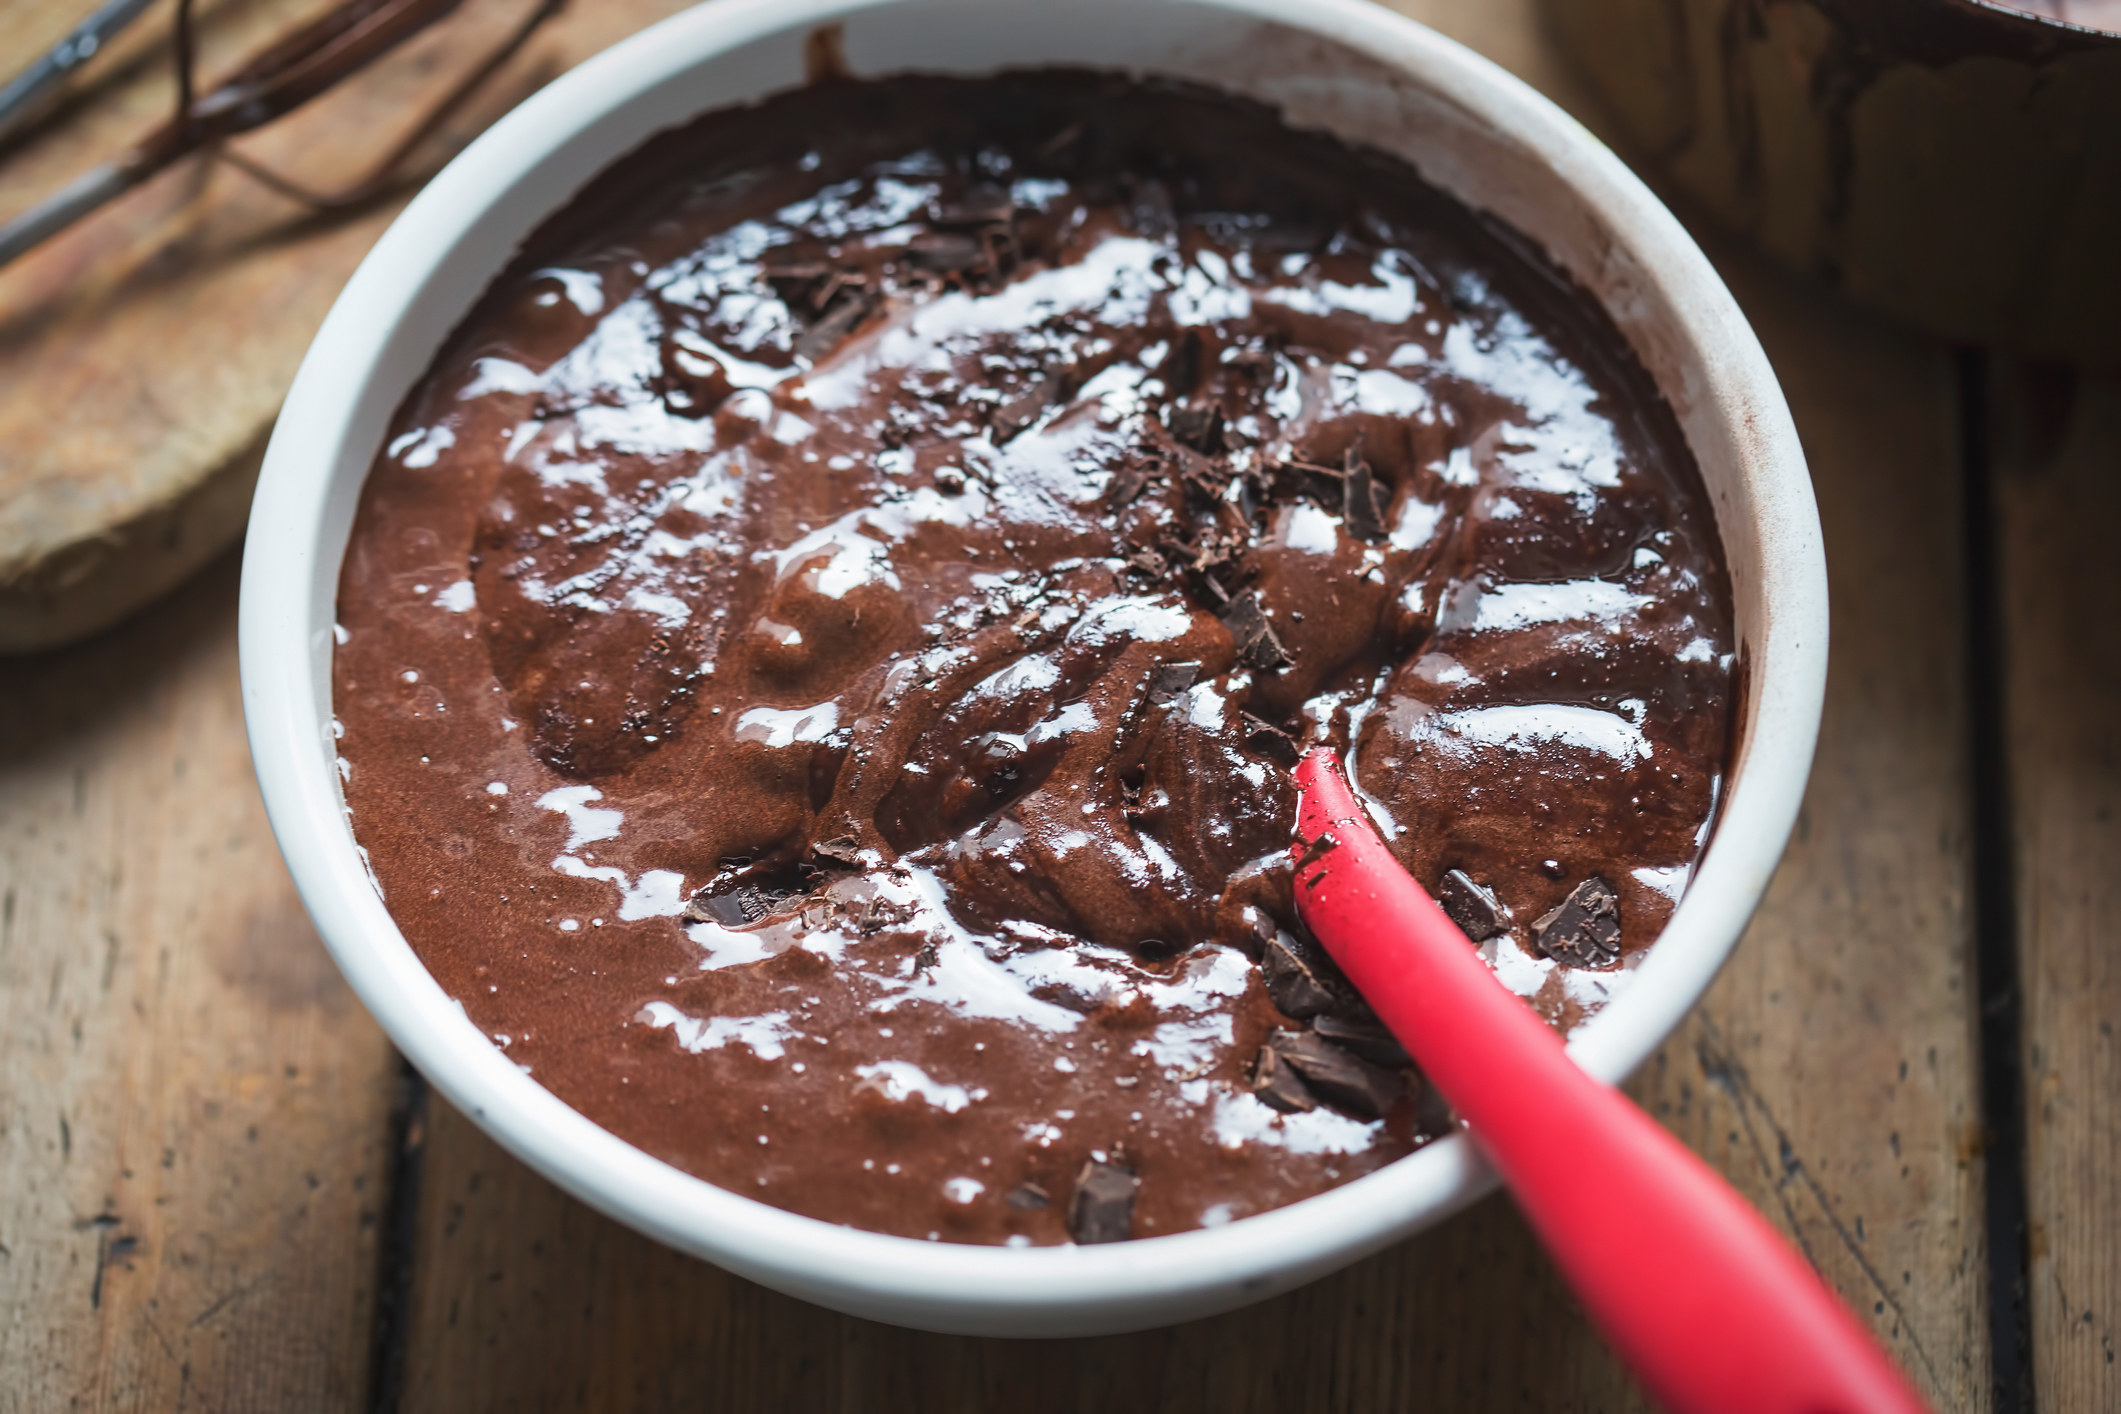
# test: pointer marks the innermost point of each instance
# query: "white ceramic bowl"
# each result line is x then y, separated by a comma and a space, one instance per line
1342, 65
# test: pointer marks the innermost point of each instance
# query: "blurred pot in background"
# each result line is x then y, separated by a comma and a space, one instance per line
1954, 163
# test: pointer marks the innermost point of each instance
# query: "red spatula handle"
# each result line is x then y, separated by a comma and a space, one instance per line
1697, 1293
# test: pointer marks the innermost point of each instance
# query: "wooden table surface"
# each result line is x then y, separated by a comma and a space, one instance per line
221, 1189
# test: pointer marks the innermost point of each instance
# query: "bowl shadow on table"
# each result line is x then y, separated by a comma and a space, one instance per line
515, 1296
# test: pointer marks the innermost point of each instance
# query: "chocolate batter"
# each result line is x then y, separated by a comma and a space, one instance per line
820, 651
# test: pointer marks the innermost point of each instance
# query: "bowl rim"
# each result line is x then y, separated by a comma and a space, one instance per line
290, 585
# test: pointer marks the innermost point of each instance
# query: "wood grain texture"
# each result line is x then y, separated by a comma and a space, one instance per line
523, 1299
193, 1108
146, 351
1829, 1074
2059, 491
1832, 1073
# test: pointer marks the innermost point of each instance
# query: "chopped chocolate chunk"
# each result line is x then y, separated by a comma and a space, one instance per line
1102, 1209
1170, 682
1475, 909
1266, 739
1342, 1079
796, 281
1362, 500
945, 252
1206, 479
1302, 981
834, 326
1276, 1083
1067, 994
1127, 485
1584, 929
842, 850
811, 287
1197, 427
1368, 1039
1028, 1196
744, 904
882, 914
1256, 640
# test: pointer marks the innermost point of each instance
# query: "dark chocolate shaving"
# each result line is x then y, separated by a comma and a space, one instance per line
1583, 930
1474, 908
1302, 981
842, 851
882, 914
834, 325
1362, 500
1127, 485
1255, 638
1276, 1083
1368, 1039
1341, 1078
1066, 994
745, 904
1263, 738
1102, 1208
1206, 479
1028, 1196
1198, 427
796, 281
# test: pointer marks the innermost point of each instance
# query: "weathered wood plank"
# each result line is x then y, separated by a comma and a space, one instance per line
525, 1299
2058, 490
1829, 1074
193, 1108
1832, 1072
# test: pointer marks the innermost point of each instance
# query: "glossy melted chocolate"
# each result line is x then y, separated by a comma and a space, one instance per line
820, 650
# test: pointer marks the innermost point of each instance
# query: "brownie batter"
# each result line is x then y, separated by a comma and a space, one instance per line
821, 650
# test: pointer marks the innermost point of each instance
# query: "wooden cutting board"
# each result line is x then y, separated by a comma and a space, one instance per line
144, 353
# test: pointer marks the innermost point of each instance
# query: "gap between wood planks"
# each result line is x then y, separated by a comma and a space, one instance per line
394, 1252
1999, 1029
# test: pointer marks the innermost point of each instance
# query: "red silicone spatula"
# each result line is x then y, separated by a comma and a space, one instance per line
1695, 1290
